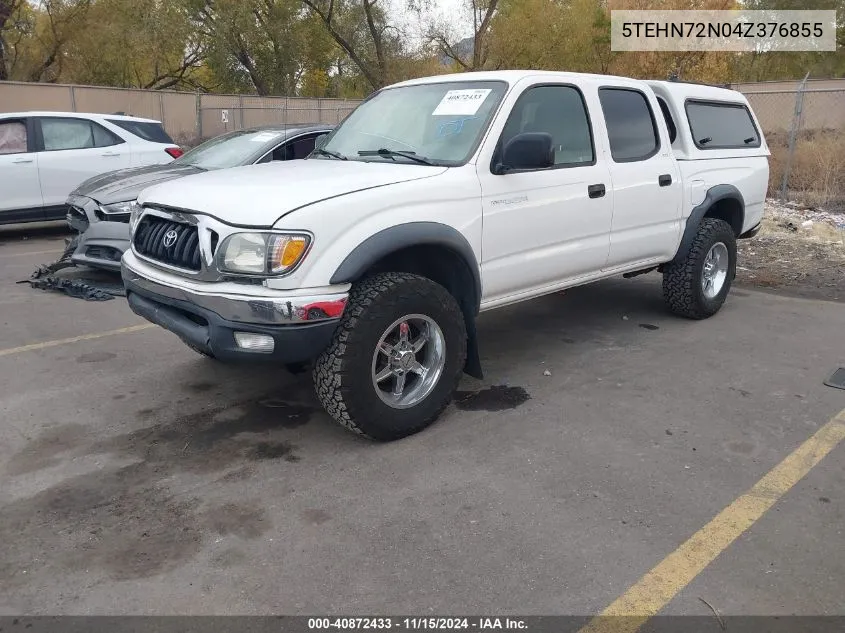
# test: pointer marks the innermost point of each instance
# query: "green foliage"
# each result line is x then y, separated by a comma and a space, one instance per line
776, 66
347, 48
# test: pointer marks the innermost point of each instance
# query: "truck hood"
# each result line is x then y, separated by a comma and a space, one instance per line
258, 195
126, 184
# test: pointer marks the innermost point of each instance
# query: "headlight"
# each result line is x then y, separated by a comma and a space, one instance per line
118, 207
135, 211
262, 253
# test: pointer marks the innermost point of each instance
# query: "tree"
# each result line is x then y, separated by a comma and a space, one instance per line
262, 46
568, 35
9, 9
140, 44
57, 23
469, 53
361, 30
794, 65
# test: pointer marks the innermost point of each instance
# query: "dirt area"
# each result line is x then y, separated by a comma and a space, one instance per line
799, 252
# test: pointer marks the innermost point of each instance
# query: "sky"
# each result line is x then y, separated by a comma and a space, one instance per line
453, 12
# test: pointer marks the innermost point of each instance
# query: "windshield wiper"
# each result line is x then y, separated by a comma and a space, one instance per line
390, 153
328, 152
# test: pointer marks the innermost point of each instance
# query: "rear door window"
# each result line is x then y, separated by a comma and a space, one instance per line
13, 137
146, 130
718, 125
68, 133
630, 123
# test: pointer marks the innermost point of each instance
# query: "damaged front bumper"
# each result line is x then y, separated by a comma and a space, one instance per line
216, 318
103, 237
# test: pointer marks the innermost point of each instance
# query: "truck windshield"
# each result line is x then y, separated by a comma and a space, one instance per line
436, 123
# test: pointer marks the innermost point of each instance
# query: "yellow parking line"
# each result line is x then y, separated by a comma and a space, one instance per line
73, 339
52, 252
659, 586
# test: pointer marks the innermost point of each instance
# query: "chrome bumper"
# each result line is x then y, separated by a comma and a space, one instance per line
236, 302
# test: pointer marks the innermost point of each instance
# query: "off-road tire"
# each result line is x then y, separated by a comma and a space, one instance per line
682, 278
343, 372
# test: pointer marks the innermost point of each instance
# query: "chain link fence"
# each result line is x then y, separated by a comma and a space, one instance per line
804, 125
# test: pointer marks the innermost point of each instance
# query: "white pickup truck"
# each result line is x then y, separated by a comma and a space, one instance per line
439, 198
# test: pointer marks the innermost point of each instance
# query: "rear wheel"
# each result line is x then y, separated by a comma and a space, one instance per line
697, 285
395, 359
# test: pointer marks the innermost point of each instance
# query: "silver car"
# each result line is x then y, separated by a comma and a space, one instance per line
100, 207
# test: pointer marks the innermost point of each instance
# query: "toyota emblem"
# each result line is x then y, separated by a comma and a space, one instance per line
170, 238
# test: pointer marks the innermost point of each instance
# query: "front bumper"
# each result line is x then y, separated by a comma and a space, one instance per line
207, 315
103, 238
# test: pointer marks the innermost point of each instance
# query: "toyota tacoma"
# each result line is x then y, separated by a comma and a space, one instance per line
437, 199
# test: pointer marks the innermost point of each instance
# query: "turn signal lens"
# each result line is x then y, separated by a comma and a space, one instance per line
286, 251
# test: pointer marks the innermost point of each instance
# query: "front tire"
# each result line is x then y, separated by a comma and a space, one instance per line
697, 285
395, 359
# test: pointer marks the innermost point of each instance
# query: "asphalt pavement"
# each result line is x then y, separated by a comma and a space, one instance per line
139, 477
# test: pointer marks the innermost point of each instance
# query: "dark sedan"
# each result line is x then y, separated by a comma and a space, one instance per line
100, 207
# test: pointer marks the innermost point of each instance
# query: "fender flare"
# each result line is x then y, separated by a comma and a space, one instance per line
713, 195
402, 236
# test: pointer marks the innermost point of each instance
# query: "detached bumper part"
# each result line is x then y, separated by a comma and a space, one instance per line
295, 332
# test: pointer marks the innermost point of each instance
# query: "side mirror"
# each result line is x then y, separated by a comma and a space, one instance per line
529, 150
320, 140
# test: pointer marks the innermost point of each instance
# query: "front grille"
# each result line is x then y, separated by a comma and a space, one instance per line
154, 238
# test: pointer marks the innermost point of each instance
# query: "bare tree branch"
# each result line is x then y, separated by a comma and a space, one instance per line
375, 34
61, 23
479, 55
375, 80
481, 19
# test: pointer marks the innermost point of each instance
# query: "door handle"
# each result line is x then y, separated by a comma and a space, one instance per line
110, 154
665, 180
596, 191
23, 161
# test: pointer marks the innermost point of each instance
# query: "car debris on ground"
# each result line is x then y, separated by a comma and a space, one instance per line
81, 287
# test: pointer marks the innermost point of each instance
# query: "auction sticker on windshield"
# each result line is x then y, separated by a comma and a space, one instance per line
461, 101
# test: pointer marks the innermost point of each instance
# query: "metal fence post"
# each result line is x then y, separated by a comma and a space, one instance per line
199, 117
241, 110
793, 136
73, 99
161, 108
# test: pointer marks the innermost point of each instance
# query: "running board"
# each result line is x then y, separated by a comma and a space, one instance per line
639, 272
